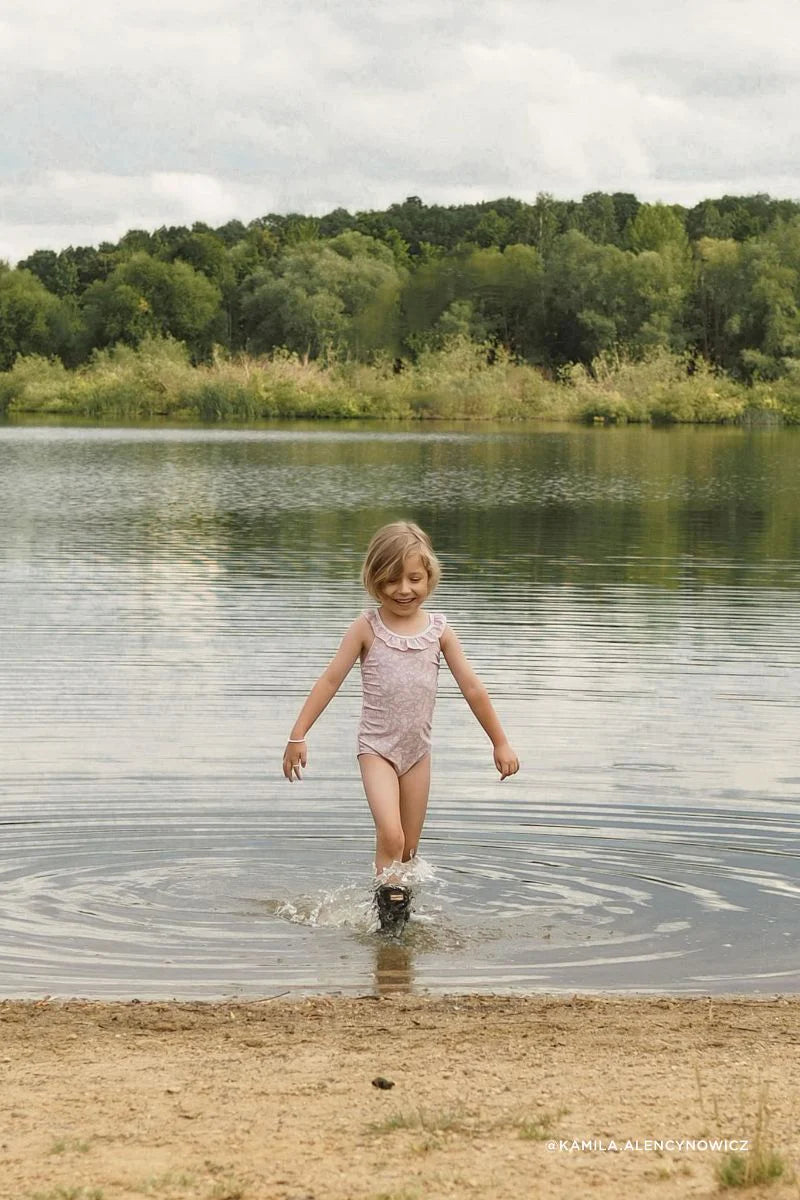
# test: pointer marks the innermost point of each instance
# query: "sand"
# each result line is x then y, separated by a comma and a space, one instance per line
492, 1097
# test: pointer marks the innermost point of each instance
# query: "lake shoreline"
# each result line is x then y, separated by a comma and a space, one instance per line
462, 381
276, 1098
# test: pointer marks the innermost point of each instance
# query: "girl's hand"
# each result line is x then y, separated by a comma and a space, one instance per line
295, 756
505, 760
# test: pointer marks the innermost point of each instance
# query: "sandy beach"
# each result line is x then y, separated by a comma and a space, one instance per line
490, 1096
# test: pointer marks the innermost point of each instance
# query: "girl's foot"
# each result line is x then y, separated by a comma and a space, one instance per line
393, 903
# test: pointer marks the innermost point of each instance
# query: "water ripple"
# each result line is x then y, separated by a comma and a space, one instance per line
167, 597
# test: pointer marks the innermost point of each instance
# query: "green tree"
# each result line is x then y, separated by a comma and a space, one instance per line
482, 293
57, 272
596, 217
706, 221
145, 296
626, 206
231, 232
207, 254
770, 331
28, 314
657, 227
137, 241
83, 264
546, 223
657, 301
718, 300
506, 290
320, 298
749, 215
336, 222
587, 298
491, 229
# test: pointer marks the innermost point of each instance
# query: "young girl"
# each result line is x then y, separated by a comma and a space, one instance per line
399, 645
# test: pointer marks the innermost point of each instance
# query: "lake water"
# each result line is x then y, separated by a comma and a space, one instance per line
167, 598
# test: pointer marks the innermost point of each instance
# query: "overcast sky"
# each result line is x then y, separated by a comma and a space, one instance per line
139, 113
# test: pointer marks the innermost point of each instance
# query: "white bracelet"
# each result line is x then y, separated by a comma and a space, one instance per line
295, 739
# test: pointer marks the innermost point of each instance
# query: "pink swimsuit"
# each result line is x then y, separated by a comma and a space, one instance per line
399, 674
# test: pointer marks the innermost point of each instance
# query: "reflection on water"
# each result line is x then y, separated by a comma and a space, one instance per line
394, 970
168, 596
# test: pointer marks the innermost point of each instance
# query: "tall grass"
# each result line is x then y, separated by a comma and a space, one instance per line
462, 381
663, 388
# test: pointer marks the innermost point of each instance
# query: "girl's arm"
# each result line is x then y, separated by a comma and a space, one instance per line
477, 698
295, 755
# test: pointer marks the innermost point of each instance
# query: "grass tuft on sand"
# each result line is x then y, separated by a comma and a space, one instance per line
762, 1164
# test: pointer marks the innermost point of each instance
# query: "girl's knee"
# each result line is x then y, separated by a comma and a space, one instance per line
392, 843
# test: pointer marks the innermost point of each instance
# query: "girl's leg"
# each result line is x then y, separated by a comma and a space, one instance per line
414, 787
383, 796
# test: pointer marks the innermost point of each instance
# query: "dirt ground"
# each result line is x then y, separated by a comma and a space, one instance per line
492, 1097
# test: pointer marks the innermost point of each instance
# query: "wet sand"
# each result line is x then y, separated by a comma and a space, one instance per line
492, 1097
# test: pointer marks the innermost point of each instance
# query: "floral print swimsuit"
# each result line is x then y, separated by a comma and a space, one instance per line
399, 675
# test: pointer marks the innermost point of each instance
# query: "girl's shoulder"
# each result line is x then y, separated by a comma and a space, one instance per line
443, 628
363, 624
438, 622
359, 631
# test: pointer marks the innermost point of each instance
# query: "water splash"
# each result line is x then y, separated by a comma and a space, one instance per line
351, 906
412, 874
346, 906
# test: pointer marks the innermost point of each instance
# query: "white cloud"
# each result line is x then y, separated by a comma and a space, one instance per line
168, 111
94, 207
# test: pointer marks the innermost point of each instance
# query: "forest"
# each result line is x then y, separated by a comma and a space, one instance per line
604, 307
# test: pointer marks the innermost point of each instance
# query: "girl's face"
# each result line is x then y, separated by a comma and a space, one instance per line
406, 593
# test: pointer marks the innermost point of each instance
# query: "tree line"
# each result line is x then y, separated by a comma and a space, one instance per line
550, 283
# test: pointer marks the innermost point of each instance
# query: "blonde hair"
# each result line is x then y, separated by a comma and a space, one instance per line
388, 550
